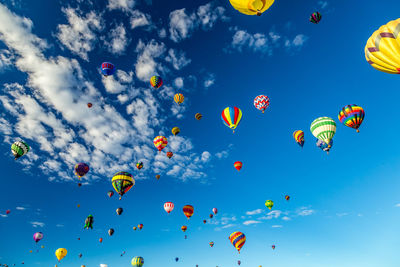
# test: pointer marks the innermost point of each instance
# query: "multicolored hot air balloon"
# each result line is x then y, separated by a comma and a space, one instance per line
323, 128
352, 115
324, 146
139, 165
188, 210
122, 182
81, 169
156, 82
184, 228
198, 116
261, 102
137, 262
175, 130
382, 50
251, 7
37, 236
61, 253
315, 17
140, 226
231, 117
215, 210
269, 204
211, 244
237, 239
238, 165
204, 221
160, 142
107, 68
179, 98
287, 197
169, 154
211, 215
19, 149
273, 246
110, 193
299, 137
89, 222
168, 207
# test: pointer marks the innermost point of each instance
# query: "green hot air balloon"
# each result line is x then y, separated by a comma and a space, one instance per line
324, 129
19, 149
137, 262
269, 204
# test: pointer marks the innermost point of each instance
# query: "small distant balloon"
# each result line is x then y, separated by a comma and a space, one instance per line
119, 211
198, 116
215, 210
89, 105
107, 68
315, 17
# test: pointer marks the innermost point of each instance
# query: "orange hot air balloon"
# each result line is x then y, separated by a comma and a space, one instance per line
101, 240
238, 165
160, 142
169, 154
184, 228
188, 210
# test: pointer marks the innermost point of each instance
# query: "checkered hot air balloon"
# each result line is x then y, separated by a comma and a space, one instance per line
137, 262
160, 142
261, 102
156, 82
231, 117
19, 149
382, 48
237, 240
352, 116
323, 128
188, 210
299, 137
122, 182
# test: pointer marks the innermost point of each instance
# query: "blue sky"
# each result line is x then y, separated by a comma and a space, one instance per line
344, 206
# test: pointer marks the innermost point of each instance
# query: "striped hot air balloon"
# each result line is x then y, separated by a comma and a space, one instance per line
261, 102
231, 117
137, 262
156, 82
323, 128
382, 50
299, 137
122, 182
160, 142
168, 207
352, 116
315, 17
139, 165
19, 149
237, 239
211, 244
179, 98
198, 116
238, 165
287, 197
184, 228
188, 210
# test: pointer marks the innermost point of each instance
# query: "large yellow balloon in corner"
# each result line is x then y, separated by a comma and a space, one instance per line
251, 7
383, 48
61, 253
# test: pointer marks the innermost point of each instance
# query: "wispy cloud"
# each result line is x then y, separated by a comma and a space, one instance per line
304, 211
37, 224
323, 4
342, 214
59, 225
250, 222
277, 226
286, 218
254, 212
20, 208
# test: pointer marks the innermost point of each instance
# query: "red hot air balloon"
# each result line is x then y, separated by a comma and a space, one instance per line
101, 240
169, 154
184, 228
140, 226
89, 105
8, 212
238, 165
188, 210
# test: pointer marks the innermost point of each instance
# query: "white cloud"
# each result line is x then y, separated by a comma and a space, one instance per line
286, 218
3, 215
298, 41
79, 36
177, 59
304, 211
117, 40
6, 59
277, 226
146, 66
124, 5
178, 82
254, 212
397, 205
37, 224
118, 83
323, 4
272, 215
209, 81
250, 222
20, 208
139, 19
59, 225
162, 33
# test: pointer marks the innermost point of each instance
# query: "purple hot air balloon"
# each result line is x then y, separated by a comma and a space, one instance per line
37, 236
81, 169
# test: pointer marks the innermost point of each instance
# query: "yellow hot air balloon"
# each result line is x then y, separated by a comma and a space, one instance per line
383, 48
175, 130
179, 98
251, 7
61, 253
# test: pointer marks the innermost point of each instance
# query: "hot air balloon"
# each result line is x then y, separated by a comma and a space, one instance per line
239, 262
137, 262
238, 165
8, 212
140, 226
382, 50
122, 182
323, 128
273, 246
156, 82
204, 221
89, 222
211, 244
261, 102
287, 197
188, 210
179, 98
231, 117
42, 246
139, 165
110, 193
299, 137
237, 239
169, 154
100, 240
184, 228
160, 142
215, 210
107, 68
158, 176
211, 216
19, 149
119, 211
176, 259
324, 146
134, 228
80, 255
269, 204
81, 169
89, 105
352, 116
198, 116
110, 232
61, 253
168, 207
251, 7
37, 236
175, 130
315, 17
